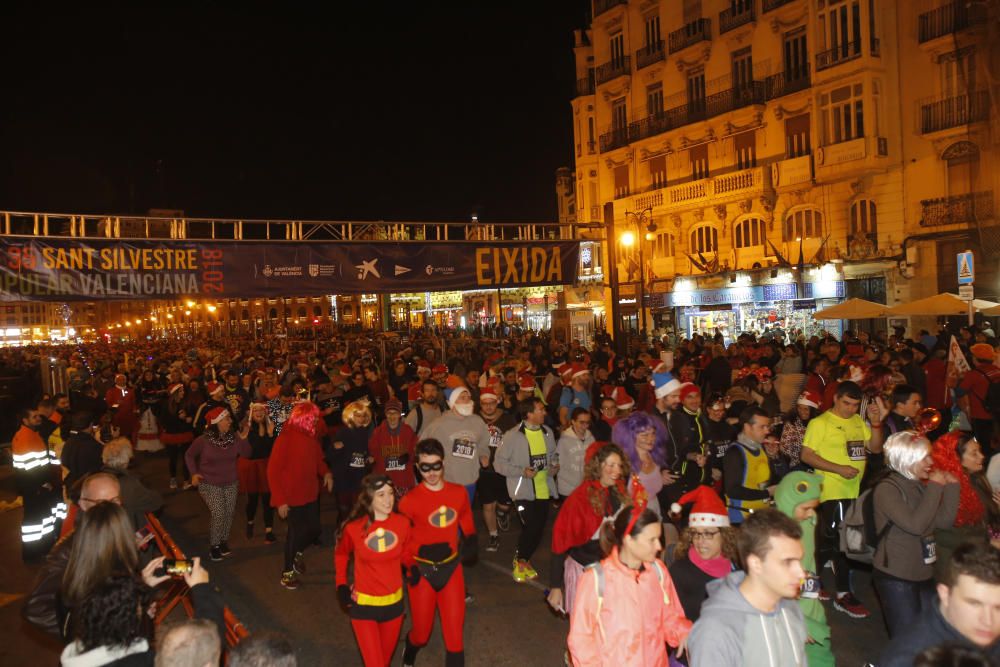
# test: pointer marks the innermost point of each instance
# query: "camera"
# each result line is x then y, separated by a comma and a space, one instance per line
175, 567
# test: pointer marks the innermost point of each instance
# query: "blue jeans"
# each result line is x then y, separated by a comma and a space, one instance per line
902, 601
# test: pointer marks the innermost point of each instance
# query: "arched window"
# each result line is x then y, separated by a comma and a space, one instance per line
273, 315
317, 311
864, 220
245, 314
302, 312
963, 167
749, 233
704, 239
663, 246
806, 223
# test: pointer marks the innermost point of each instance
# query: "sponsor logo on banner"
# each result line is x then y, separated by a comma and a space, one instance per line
367, 268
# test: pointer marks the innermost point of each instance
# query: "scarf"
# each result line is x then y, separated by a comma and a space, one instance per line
716, 568
223, 440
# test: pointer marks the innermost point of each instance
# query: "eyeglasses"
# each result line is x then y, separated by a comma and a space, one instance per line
703, 535
95, 501
429, 467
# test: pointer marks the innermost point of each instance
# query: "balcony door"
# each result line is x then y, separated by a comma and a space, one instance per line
840, 24
795, 56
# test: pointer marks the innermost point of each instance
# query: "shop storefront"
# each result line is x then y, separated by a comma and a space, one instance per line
774, 310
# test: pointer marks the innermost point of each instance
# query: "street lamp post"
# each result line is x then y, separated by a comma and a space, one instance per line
643, 218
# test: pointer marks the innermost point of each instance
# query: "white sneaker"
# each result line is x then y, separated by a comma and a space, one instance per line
173, 482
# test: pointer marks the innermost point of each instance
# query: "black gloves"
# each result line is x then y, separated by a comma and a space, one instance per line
414, 575
344, 597
470, 550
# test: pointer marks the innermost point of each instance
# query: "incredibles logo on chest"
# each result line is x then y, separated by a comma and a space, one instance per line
382, 540
443, 517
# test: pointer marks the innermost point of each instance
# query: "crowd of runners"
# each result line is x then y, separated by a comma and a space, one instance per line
698, 490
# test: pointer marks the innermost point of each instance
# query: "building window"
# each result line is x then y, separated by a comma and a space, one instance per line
749, 233
958, 72
806, 223
654, 100
798, 141
621, 181
657, 172
794, 55
962, 159
843, 114
663, 245
617, 50
746, 150
864, 221
704, 239
742, 66
840, 26
699, 161
619, 116
591, 135
652, 25
696, 91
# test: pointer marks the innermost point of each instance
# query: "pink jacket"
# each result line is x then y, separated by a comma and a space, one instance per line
629, 624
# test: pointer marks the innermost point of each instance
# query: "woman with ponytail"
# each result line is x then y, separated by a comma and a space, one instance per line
374, 535
626, 607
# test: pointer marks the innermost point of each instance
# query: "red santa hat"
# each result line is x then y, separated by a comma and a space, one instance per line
622, 400
216, 415
488, 393
439, 369
689, 388
708, 512
525, 382
810, 398
423, 366
578, 369
213, 387
175, 387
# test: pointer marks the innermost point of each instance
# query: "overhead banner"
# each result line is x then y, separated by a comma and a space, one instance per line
33, 269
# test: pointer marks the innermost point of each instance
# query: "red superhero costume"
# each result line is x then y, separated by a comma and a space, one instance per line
432, 557
393, 454
377, 597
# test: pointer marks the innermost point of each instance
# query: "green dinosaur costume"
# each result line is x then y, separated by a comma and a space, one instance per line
795, 489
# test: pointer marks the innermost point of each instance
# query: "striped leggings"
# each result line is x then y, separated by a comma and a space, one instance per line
221, 501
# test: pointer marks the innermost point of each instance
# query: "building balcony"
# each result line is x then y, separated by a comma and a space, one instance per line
955, 111
786, 83
601, 6
735, 16
610, 70
585, 86
692, 33
649, 126
714, 189
959, 209
771, 5
841, 53
951, 18
792, 171
615, 138
845, 158
649, 54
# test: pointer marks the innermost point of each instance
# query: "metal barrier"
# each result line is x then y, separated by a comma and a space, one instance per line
177, 593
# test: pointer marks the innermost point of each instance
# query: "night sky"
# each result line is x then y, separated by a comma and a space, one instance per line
417, 111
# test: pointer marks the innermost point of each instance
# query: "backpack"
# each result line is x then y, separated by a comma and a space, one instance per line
858, 537
599, 571
991, 402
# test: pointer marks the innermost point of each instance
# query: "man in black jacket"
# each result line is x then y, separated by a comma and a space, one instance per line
967, 614
81, 454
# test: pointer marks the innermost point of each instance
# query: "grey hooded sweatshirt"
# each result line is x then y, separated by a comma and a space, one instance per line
732, 633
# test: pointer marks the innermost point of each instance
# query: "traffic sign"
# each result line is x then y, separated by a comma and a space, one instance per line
966, 268
965, 292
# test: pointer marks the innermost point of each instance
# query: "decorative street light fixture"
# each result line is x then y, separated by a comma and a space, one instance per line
643, 220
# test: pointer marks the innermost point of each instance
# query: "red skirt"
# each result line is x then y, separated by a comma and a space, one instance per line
253, 475
176, 438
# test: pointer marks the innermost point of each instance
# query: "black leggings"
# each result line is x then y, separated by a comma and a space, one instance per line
534, 514
303, 528
831, 516
265, 499
176, 453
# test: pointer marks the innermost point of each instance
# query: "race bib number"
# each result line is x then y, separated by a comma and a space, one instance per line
357, 460
720, 450
928, 547
810, 586
462, 448
393, 464
856, 450
496, 436
538, 461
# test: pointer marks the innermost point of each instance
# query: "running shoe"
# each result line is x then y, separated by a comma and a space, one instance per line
824, 594
851, 606
503, 520
290, 580
529, 571
249, 530
494, 543
469, 598
269, 537
519, 574
299, 564
215, 553
186, 485
173, 482
225, 550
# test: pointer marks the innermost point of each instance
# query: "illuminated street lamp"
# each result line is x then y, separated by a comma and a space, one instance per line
642, 219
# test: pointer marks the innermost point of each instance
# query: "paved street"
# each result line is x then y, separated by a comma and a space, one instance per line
508, 624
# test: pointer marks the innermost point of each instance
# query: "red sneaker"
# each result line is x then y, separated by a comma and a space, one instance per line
851, 606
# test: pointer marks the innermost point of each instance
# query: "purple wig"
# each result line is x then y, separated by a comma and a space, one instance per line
624, 432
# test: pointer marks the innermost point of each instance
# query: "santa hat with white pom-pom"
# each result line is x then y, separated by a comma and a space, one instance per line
708, 512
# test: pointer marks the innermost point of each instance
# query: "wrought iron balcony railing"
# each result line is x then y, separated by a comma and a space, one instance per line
958, 209
788, 82
649, 54
950, 18
954, 111
838, 54
771, 5
616, 137
617, 67
692, 33
585, 86
601, 6
737, 15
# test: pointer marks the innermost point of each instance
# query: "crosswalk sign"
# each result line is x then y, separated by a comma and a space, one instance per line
966, 268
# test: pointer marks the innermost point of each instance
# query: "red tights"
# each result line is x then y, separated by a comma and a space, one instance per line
376, 640
450, 602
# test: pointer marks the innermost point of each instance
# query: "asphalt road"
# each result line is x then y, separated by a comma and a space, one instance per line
507, 624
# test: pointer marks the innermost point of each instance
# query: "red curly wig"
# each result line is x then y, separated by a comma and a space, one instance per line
945, 454
304, 417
